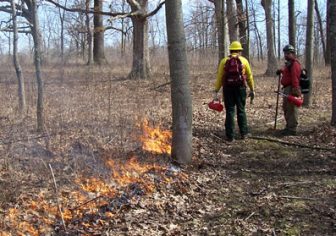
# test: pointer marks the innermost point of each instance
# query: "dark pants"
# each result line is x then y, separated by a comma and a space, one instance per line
290, 111
235, 97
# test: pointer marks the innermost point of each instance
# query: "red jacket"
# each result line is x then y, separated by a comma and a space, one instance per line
291, 74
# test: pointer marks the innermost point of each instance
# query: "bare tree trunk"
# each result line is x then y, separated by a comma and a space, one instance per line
271, 60
18, 70
37, 60
328, 30
332, 27
291, 23
273, 29
140, 65
247, 50
319, 19
219, 11
279, 33
98, 35
242, 27
180, 90
231, 12
309, 50
89, 34
257, 35
123, 35
226, 30
62, 16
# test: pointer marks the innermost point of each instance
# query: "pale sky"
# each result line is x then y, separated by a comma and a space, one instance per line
187, 7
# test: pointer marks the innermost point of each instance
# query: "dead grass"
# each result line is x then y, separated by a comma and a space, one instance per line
93, 114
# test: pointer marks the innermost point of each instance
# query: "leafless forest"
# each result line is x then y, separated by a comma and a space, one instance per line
88, 118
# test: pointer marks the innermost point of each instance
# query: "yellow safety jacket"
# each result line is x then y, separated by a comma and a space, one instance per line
246, 72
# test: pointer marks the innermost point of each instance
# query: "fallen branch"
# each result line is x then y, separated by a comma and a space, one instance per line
84, 203
161, 85
249, 216
216, 136
287, 184
291, 144
301, 198
56, 192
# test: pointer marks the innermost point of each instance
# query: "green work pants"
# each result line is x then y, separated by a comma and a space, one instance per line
290, 111
235, 97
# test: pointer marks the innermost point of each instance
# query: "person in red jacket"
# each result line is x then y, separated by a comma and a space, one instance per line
291, 86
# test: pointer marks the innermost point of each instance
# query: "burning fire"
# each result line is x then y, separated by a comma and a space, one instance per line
95, 185
156, 140
40, 212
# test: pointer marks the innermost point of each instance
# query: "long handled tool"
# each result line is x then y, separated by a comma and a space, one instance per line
277, 102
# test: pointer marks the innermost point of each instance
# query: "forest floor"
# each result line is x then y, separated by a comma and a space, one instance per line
89, 173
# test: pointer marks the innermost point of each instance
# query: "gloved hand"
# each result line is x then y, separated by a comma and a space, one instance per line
296, 92
251, 95
215, 96
278, 72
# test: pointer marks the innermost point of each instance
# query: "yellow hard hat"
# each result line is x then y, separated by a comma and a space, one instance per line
236, 46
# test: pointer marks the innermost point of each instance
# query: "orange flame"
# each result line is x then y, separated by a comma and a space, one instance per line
38, 216
94, 185
40, 213
131, 172
156, 140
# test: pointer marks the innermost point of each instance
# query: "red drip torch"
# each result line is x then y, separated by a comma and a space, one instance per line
297, 101
216, 105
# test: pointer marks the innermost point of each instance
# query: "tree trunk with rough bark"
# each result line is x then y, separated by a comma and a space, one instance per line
271, 59
247, 30
291, 23
219, 11
231, 13
319, 20
332, 27
279, 32
309, 50
18, 69
61, 15
180, 89
98, 35
37, 61
242, 23
89, 34
328, 32
140, 65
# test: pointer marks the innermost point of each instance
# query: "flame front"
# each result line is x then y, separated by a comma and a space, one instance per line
38, 214
156, 140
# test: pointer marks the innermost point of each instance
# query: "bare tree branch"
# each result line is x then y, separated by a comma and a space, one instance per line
114, 15
155, 10
80, 10
5, 9
21, 31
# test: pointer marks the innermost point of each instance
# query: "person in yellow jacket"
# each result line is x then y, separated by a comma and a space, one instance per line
234, 75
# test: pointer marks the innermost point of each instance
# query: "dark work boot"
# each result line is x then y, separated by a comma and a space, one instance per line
245, 136
229, 139
287, 132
